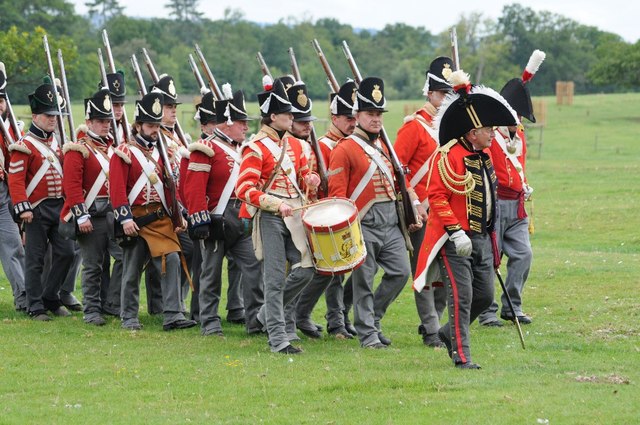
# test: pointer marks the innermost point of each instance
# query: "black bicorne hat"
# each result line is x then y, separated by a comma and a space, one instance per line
300, 103
435, 80
205, 110
370, 95
3, 81
516, 91
149, 108
232, 108
117, 89
98, 106
45, 100
468, 108
274, 99
519, 97
341, 103
167, 87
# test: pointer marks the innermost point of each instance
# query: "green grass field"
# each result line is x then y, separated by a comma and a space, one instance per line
580, 365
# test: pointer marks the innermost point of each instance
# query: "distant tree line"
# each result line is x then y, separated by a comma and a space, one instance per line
491, 51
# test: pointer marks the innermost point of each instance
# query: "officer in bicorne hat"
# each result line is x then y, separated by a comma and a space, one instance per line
360, 169
415, 144
274, 175
12, 254
462, 214
509, 151
87, 206
211, 178
137, 174
35, 183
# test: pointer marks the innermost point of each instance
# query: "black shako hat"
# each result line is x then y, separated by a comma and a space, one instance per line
516, 91
205, 110
370, 95
149, 108
341, 103
167, 87
117, 89
46, 99
98, 106
232, 107
435, 80
468, 108
273, 100
287, 81
300, 103
3, 81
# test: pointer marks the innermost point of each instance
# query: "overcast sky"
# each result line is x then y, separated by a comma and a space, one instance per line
616, 16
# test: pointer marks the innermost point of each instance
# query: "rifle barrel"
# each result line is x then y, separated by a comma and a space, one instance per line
52, 75
213, 85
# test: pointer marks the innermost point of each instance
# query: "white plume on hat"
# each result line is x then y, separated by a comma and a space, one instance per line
537, 57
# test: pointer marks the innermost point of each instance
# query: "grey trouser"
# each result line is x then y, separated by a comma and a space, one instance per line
386, 248
279, 288
40, 233
213, 253
11, 249
430, 303
134, 258
69, 284
469, 283
93, 247
111, 299
334, 296
513, 240
196, 268
235, 303
154, 287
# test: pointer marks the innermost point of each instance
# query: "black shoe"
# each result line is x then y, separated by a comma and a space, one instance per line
340, 333
212, 332
237, 321
290, 349
376, 346
40, 316
61, 312
523, 319
446, 341
383, 339
179, 324
468, 365
70, 301
430, 340
493, 324
311, 333
349, 327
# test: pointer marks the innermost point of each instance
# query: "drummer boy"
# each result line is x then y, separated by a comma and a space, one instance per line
360, 170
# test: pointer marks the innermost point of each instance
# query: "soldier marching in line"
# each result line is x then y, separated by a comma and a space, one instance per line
87, 207
11, 249
416, 143
360, 169
273, 177
509, 152
214, 208
139, 199
35, 183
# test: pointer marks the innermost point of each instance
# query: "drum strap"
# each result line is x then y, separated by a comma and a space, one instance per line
287, 165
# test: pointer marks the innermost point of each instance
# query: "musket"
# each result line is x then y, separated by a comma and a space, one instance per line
409, 211
176, 217
13, 123
454, 48
112, 69
263, 65
105, 83
331, 79
155, 79
67, 98
6, 135
322, 167
52, 75
213, 85
196, 72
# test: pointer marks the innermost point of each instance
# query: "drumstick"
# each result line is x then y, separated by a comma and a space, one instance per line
301, 207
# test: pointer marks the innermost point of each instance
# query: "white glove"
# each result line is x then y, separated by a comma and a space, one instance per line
528, 190
462, 243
